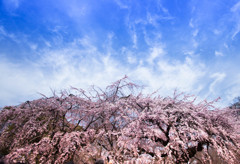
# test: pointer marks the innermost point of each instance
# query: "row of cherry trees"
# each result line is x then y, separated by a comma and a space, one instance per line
118, 125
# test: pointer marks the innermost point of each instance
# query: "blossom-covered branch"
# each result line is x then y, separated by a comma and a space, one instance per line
120, 125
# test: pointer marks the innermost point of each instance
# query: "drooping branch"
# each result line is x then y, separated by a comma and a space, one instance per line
116, 125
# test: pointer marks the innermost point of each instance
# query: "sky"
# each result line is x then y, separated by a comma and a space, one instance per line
189, 45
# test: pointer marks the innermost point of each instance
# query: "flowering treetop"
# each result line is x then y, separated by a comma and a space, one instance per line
117, 125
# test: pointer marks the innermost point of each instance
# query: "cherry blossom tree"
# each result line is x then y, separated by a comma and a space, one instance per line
117, 125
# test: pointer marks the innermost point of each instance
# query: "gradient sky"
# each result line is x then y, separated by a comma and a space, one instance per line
189, 45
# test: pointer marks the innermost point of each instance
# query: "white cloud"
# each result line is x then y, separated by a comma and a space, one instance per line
155, 53
190, 53
152, 40
225, 45
195, 43
234, 90
2, 31
154, 19
181, 75
168, 75
191, 23
237, 30
235, 7
6, 34
75, 10
217, 32
195, 32
57, 69
33, 46
71, 66
133, 35
131, 59
12, 4
218, 77
121, 4
218, 53
81, 64
18, 82
134, 40
236, 15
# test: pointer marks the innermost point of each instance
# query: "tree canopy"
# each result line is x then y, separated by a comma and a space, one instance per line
117, 125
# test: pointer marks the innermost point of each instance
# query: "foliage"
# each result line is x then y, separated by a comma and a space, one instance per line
236, 103
234, 114
118, 125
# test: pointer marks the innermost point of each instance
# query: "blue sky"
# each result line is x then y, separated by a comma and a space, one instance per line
189, 45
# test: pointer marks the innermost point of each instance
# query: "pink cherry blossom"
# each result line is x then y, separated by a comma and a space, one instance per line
118, 125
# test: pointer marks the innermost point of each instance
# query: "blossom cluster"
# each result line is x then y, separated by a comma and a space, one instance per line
117, 125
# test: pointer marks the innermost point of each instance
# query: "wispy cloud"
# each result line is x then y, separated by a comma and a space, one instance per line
12, 4
4, 33
155, 52
81, 66
56, 69
69, 66
236, 13
218, 77
191, 23
236, 7
189, 46
195, 32
121, 4
154, 19
218, 53
234, 88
